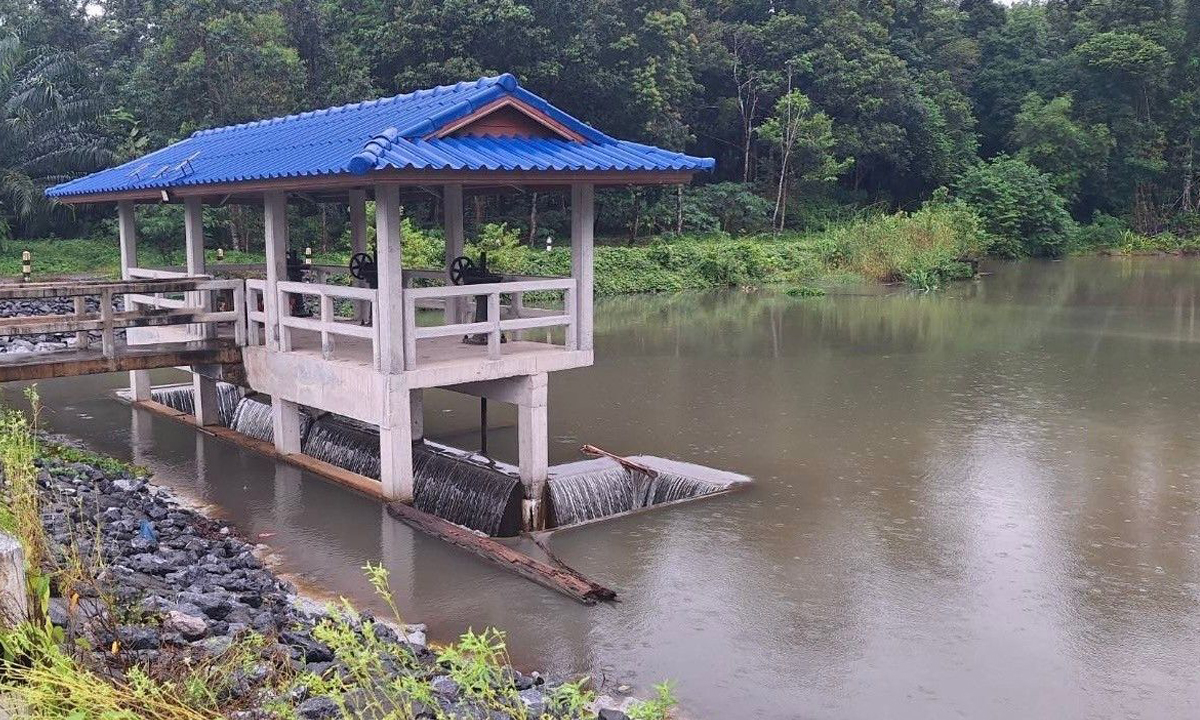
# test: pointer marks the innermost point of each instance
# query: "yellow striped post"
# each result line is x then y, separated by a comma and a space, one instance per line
26, 265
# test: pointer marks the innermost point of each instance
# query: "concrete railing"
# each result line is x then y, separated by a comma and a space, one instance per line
327, 324
256, 312
494, 326
150, 307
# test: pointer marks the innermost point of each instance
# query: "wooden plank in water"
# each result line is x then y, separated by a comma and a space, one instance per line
89, 361
562, 579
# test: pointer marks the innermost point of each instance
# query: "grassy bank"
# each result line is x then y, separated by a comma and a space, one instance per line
922, 248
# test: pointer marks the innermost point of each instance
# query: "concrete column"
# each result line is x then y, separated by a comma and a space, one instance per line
533, 451
285, 424
452, 219
139, 380
395, 446
204, 389
358, 238
582, 223
276, 236
390, 313
416, 405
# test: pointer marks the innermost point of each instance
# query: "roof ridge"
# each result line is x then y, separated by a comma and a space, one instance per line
505, 80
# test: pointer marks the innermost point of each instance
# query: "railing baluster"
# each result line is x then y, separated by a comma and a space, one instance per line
108, 338
284, 311
375, 344
493, 309
410, 333
239, 309
82, 339
569, 308
326, 321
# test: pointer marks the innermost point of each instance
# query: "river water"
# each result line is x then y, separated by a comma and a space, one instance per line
981, 503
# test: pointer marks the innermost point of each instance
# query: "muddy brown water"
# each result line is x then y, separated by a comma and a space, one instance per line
977, 503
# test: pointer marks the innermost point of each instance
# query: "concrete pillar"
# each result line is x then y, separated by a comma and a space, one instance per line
416, 408
452, 223
139, 380
533, 451
390, 313
358, 239
582, 223
285, 424
204, 389
276, 236
395, 446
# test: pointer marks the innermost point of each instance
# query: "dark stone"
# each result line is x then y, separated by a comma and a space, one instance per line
214, 605
317, 708
611, 714
138, 637
445, 686
310, 650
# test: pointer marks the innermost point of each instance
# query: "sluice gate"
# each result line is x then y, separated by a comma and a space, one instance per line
468, 489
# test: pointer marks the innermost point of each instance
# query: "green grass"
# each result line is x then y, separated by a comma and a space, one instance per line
921, 248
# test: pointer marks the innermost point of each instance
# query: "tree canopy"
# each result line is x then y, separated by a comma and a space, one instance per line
806, 105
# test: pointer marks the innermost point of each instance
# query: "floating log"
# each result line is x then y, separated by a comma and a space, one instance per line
561, 579
624, 461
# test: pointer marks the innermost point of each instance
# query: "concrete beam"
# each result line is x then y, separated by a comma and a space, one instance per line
276, 236
583, 216
452, 223
533, 452
358, 239
395, 446
139, 380
285, 423
390, 311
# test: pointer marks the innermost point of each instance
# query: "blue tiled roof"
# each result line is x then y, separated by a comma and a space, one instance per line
375, 135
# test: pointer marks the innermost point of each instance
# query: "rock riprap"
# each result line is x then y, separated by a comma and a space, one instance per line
47, 306
174, 584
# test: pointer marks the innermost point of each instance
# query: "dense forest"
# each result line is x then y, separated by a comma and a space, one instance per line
1046, 117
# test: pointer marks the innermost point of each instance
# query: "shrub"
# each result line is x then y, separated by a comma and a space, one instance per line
1018, 206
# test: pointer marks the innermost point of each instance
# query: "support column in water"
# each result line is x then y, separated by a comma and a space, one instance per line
285, 422
533, 454
395, 444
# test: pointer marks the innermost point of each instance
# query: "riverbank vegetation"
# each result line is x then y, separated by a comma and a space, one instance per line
91, 649
1066, 127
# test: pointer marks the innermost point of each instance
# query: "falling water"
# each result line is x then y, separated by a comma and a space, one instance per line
454, 486
594, 489
339, 443
468, 489
464, 492
587, 496
179, 397
253, 418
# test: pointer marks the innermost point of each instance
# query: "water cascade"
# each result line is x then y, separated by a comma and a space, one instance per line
469, 489
593, 489
456, 486
179, 397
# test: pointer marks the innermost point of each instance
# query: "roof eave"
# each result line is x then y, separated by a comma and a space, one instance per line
345, 181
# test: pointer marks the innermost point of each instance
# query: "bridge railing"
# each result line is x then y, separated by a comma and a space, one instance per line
151, 307
328, 324
493, 328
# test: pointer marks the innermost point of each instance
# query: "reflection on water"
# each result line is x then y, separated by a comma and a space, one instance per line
979, 503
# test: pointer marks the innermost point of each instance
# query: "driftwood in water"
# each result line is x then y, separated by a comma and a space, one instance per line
563, 579
625, 462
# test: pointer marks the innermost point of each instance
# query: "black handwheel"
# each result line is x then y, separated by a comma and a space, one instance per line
359, 262
459, 267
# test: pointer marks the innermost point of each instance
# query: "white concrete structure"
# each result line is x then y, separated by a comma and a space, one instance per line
368, 352
365, 356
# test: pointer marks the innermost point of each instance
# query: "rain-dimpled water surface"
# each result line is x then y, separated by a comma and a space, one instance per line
976, 503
